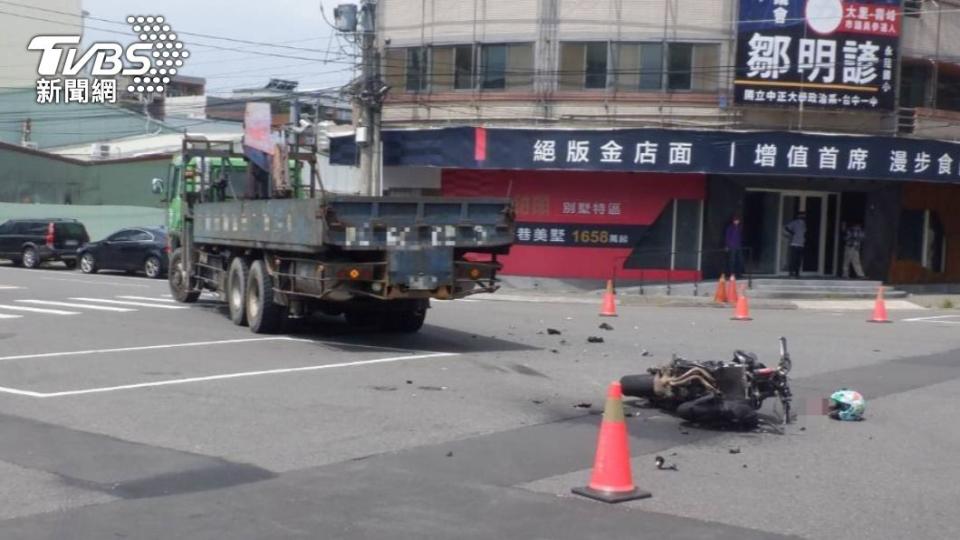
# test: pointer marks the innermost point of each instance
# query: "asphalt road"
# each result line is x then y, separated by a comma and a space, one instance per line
125, 415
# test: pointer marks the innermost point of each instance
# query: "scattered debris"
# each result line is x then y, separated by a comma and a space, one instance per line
644, 353
536, 401
744, 465
583, 405
409, 382
432, 388
449, 454
605, 326
594, 339
563, 342
735, 450
380, 388
553, 332
804, 428
663, 465
554, 351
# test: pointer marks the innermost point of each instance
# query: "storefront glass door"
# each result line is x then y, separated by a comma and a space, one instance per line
814, 205
767, 212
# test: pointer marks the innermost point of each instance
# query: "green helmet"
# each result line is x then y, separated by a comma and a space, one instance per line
846, 404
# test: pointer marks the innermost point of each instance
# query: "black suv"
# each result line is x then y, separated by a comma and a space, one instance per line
32, 242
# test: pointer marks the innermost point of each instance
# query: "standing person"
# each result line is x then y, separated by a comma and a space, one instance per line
733, 244
796, 230
852, 242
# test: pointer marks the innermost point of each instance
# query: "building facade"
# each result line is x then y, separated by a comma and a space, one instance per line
630, 81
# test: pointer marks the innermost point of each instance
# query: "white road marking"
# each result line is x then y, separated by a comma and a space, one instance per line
9, 287
145, 347
225, 376
5, 316
147, 298
126, 303
921, 319
19, 392
78, 306
98, 282
38, 310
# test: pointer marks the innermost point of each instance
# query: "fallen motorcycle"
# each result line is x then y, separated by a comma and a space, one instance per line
713, 391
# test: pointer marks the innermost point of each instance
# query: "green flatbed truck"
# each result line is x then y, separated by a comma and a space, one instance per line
300, 249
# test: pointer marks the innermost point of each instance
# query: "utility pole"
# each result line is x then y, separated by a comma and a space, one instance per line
368, 91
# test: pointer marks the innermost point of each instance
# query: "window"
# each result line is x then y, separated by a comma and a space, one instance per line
673, 240
506, 66
416, 72
494, 62
459, 67
6, 228
596, 62
679, 66
651, 66
671, 66
122, 236
31, 227
141, 236
583, 65
463, 67
441, 68
921, 238
639, 66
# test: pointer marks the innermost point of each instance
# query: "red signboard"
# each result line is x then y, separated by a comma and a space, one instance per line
578, 224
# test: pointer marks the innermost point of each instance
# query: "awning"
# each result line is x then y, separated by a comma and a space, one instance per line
667, 151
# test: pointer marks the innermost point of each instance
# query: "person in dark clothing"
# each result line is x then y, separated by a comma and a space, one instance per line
733, 244
796, 231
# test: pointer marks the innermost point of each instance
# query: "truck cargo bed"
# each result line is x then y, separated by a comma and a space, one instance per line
356, 223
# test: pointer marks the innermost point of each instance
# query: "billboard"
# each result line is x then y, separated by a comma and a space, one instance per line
574, 224
831, 54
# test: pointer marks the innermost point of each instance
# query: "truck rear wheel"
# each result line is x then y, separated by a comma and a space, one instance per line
237, 290
263, 314
180, 284
407, 321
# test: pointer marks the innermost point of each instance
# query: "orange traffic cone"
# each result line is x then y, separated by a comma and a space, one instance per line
880, 309
742, 313
732, 289
720, 296
609, 306
612, 479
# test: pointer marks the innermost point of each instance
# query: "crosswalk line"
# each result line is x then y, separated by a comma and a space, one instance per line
38, 310
77, 306
128, 303
5, 316
148, 299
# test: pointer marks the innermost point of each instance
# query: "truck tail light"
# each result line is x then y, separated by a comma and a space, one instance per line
50, 234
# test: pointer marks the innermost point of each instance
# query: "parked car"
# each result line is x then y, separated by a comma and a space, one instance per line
135, 249
32, 242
